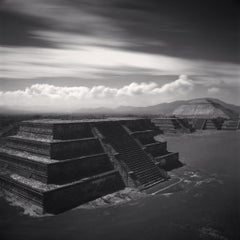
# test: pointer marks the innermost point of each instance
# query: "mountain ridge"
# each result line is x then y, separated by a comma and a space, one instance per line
166, 108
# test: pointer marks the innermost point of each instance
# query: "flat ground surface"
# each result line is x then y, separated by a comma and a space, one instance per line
204, 205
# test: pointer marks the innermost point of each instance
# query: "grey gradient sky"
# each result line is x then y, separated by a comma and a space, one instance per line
86, 53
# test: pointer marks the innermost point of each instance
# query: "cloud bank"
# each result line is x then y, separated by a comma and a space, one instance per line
60, 98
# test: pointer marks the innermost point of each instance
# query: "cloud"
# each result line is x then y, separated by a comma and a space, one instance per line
82, 61
147, 26
181, 86
56, 97
213, 90
90, 61
82, 18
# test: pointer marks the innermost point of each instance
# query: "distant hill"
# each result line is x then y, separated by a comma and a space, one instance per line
159, 109
162, 109
169, 108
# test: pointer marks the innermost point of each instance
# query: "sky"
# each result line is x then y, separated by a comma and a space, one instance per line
73, 54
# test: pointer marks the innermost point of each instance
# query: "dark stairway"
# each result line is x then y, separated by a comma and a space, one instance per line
146, 172
199, 123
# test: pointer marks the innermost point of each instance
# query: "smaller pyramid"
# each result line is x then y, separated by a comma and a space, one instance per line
204, 108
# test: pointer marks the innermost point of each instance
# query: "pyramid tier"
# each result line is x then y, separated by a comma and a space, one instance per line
59, 198
169, 161
144, 137
51, 171
55, 129
231, 124
55, 149
156, 149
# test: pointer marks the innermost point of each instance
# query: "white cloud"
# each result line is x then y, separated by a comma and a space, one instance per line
85, 61
180, 86
98, 96
213, 90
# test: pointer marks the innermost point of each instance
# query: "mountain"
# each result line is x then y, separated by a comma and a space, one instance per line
159, 109
204, 108
162, 109
217, 107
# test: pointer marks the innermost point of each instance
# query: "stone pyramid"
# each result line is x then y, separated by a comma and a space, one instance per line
204, 108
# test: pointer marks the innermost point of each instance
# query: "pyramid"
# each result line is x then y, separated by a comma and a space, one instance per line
60, 164
204, 108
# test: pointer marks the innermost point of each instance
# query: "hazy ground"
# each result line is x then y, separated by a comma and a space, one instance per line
204, 205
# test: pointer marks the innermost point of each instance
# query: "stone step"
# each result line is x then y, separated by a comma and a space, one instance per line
133, 155
48, 171
57, 149
128, 149
137, 164
143, 173
28, 145
139, 169
148, 170
136, 159
147, 174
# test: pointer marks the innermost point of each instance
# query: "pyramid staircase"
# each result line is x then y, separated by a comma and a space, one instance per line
144, 169
209, 125
185, 124
156, 150
198, 123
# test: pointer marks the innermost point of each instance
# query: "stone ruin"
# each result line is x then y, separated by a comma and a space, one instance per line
60, 164
188, 125
173, 125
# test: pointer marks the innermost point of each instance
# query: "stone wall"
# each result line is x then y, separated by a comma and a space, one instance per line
62, 199
70, 170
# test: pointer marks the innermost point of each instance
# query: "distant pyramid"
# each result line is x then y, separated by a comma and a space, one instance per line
204, 108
